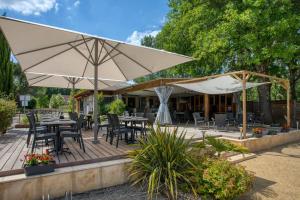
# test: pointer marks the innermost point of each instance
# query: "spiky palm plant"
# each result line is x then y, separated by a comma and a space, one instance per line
164, 163
221, 145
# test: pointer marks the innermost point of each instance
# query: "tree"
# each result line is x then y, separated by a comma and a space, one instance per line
6, 67
232, 35
56, 101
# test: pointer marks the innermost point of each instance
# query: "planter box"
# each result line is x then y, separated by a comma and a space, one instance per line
38, 169
21, 126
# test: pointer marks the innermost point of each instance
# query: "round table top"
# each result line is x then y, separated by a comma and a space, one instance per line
57, 122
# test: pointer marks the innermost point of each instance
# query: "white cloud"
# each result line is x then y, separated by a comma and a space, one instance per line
136, 36
76, 3
28, 7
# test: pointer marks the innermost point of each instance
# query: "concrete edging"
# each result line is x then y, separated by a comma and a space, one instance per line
266, 142
76, 179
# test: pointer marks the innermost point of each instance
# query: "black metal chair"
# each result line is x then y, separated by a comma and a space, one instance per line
40, 136
38, 129
76, 134
117, 129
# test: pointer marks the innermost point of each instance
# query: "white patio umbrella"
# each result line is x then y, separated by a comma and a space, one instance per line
72, 82
45, 49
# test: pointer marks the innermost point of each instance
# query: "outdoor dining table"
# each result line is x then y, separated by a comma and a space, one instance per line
56, 123
133, 121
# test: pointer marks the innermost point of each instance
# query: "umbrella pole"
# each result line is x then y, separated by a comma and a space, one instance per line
73, 100
96, 141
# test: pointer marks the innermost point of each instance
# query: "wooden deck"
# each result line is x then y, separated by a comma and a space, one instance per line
13, 149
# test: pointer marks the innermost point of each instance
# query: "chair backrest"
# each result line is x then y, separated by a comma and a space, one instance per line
139, 114
31, 118
220, 119
79, 122
230, 115
196, 116
151, 118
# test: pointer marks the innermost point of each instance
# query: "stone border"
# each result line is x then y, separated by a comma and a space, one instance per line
267, 141
76, 179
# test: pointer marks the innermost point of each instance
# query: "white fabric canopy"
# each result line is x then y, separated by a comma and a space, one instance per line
61, 81
45, 49
163, 114
51, 50
219, 85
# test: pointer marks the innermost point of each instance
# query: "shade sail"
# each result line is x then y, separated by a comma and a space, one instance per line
61, 81
50, 50
219, 85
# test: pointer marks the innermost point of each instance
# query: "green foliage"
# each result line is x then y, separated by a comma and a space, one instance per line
24, 120
43, 101
71, 102
164, 162
117, 107
223, 180
32, 104
7, 112
56, 101
103, 108
220, 145
6, 67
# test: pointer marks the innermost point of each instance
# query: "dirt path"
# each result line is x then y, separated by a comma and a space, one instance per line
277, 173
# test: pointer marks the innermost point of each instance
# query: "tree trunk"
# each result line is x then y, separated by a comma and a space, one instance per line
264, 92
293, 83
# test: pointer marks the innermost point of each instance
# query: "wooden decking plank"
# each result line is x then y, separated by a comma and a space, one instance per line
14, 156
85, 156
77, 156
95, 150
9, 152
20, 160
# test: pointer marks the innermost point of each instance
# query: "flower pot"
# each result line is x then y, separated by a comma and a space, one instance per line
258, 135
38, 169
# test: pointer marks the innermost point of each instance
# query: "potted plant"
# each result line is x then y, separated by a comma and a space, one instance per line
257, 132
38, 164
285, 128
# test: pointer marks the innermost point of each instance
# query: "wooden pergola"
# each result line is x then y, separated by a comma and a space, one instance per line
244, 76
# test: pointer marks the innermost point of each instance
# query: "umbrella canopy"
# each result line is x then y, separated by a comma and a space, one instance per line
62, 81
45, 49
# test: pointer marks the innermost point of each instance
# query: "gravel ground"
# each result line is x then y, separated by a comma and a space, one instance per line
277, 174
122, 192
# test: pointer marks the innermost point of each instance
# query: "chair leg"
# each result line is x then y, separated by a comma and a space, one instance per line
82, 144
111, 137
28, 138
33, 145
118, 140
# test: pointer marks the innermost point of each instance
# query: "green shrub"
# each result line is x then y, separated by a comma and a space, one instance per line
224, 180
164, 163
24, 120
117, 107
43, 101
220, 145
7, 112
32, 104
56, 101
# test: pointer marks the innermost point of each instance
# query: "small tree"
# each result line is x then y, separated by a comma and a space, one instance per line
7, 112
56, 101
42, 101
117, 107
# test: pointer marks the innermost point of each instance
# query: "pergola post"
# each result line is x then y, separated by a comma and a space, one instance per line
206, 107
244, 80
288, 103
96, 141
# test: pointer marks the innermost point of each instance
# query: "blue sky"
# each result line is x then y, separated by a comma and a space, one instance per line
125, 20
